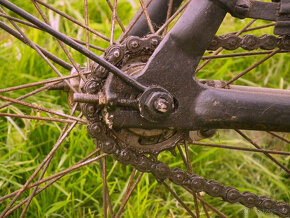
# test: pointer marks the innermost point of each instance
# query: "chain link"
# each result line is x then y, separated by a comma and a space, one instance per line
249, 42
106, 139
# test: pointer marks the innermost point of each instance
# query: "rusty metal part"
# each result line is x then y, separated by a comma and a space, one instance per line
130, 146
130, 56
110, 144
249, 42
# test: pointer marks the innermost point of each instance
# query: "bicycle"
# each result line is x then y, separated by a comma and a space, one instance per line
134, 115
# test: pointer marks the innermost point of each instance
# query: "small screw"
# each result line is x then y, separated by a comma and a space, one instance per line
161, 105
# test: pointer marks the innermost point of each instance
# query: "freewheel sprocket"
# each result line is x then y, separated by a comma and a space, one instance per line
131, 57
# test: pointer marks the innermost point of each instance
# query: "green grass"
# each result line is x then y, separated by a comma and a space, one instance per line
25, 143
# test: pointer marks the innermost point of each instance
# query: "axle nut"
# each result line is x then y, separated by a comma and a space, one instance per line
161, 105
156, 104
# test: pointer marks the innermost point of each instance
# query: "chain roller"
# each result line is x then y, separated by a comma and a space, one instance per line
249, 42
105, 137
106, 140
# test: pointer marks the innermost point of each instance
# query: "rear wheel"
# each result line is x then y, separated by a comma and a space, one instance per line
30, 155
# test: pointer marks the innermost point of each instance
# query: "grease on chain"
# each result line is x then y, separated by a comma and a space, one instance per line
105, 138
249, 42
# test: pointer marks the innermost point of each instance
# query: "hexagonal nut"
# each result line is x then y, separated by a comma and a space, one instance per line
159, 102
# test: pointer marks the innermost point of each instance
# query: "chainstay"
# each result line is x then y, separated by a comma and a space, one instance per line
106, 139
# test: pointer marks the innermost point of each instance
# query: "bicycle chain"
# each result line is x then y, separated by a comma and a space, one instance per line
249, 42
106, 139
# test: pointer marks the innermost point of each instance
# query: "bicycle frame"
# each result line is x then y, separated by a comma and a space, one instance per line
199, 106
175, 59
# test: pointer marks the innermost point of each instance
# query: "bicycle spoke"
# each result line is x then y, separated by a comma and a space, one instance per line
112, 68
32, 44
190, 170
90, 45
106, 196
56, 177
36, 193
145, 11
182, 155
205, 210
252, 67
178, 199
169, 11
73, 20
187, 163
18, 20
265, 152
257, 28
130, 182
221, 49
117, 17
165, 25
29, 94
60, 42
46, 53
36, 27
42, 109
45, 167
128, 194
211, 207
70, 121
36, 118
240, 148
51, 153
219, 213
113, 22
131, 25
86, 31
52, 80
279, 137
188, 160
